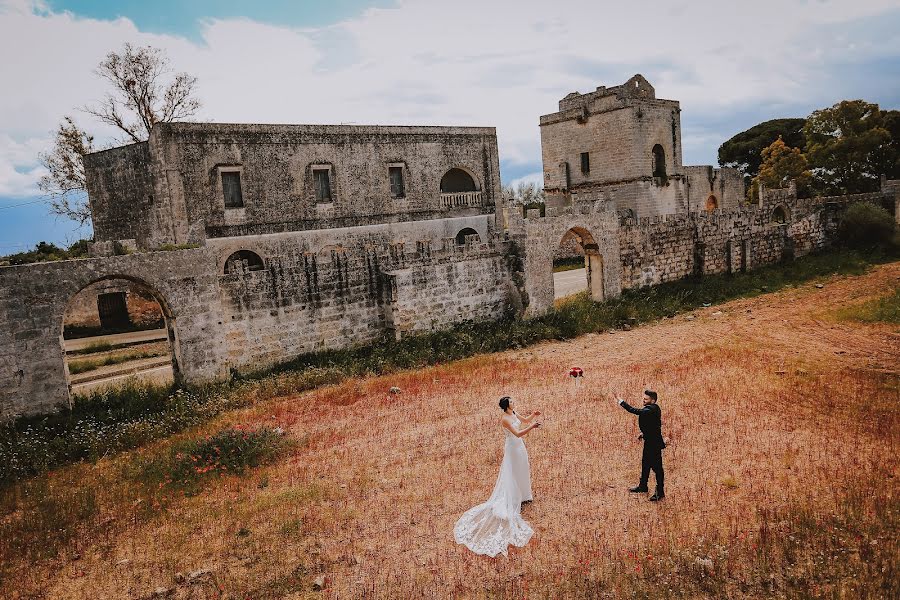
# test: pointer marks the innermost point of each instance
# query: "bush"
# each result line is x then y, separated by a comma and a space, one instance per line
865, 225
230, 451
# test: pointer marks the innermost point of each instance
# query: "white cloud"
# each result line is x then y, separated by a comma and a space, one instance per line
466, 62
535, 178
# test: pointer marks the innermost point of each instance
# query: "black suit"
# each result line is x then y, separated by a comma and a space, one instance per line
650, 423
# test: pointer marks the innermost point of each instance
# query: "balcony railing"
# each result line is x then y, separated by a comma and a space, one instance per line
461, 200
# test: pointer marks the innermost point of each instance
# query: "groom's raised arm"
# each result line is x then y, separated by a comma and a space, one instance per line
631, 409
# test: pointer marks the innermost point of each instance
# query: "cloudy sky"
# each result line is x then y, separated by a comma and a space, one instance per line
499, 63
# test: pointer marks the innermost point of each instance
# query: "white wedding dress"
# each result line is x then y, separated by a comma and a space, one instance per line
491, 527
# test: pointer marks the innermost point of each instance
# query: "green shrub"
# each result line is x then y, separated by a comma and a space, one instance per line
865, 225
230, 451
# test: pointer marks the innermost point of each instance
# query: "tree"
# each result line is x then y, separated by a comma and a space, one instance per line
744, 150
44, 252
144, 92
525, 193
64, 181
889, 162
781, 164
848, 147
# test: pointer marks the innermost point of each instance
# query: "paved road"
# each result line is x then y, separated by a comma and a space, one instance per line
566, 283
117, 338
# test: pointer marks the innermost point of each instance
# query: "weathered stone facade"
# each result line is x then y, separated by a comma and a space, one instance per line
321, 237
170, 190
624, 144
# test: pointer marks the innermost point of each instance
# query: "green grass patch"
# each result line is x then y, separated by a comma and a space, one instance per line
112, 420
187, 466
92, 364
95, 347
880, 310
568, 264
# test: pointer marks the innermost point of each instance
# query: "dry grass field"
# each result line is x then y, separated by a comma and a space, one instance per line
782, 421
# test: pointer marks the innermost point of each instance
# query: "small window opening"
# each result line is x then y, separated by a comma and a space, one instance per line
659, 161
585, 162
243, 260
231, 189
323, 185
396, 176
779, 215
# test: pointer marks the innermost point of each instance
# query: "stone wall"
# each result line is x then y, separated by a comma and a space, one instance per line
33, 301
301, 300
183, 164
708, 187
120, 188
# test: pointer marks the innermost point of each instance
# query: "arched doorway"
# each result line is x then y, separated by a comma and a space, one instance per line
464, 233
118, 329
571, 276
780, 215
459, 189
712, 203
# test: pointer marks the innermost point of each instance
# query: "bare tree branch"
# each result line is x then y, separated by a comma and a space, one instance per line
144, 92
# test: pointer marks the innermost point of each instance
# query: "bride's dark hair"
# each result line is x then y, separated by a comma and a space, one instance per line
504, 403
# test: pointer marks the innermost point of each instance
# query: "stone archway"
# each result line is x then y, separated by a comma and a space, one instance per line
114, 338
185, 283
593, 265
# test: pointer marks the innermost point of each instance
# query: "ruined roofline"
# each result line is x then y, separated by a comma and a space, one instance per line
194, 127
636, 90
124, 147
184, 127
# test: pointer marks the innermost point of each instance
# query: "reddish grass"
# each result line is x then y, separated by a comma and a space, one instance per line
780, 470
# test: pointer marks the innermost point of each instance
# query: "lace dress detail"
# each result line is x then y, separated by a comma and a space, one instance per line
490, 528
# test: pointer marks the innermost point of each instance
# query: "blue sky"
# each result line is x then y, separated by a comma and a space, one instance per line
467, 62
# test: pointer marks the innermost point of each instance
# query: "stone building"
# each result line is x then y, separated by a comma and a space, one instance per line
261, 243
624, 144
192, 182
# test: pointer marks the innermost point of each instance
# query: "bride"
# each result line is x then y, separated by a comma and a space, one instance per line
491, 527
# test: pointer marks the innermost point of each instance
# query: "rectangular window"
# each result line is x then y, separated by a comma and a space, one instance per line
323, 185
585, 163
231, 189
396, 174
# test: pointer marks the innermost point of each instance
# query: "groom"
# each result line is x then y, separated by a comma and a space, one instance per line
650, 423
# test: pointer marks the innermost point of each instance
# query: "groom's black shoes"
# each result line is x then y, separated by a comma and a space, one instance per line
639, 490
657, 497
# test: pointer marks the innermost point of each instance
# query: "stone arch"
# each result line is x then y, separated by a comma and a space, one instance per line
712, 203
243, 261
593, 261
659, 161
148, 289
459, 179
780, 214
464, 233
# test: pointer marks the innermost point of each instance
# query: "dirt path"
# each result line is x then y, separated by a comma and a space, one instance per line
794, 322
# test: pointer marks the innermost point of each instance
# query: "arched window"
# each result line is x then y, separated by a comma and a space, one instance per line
659, 161
779, 215
463, 233
457, 180
243, 261
712, 203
